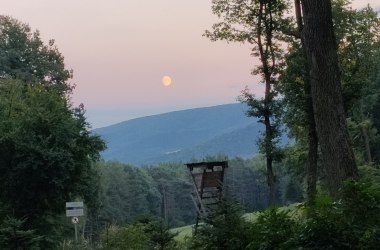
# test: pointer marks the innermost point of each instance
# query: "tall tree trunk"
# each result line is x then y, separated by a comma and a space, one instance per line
321, 52
367, 143
364, 130
312, 164
311, 172
266, 54
271, 181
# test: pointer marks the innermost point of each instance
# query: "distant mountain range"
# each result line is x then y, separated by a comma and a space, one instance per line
183, 135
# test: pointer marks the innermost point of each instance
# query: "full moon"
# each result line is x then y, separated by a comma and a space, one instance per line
166, 81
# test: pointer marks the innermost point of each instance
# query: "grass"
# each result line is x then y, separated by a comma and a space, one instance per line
187, 231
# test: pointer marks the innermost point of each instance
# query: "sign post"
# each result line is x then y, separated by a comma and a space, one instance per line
74, 209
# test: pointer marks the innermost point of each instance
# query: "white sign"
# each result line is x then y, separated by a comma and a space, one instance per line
74, 212
74, 209
74, 204
75, 220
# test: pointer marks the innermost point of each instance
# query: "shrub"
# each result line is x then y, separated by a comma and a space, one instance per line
273, 229
224, 228
351, 223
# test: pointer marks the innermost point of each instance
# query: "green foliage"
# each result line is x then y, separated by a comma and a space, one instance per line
240, 20
174, 185
245, 183
259, 23
291, 86
145, 233
359, 37
160, 235
357, 34
73, 245
126, 192
46, 152
132, 237
273, 229
24, 56
224, 228
370, 173
321, 229
266, 110
293, 192
46, 147
13, 235
352, 223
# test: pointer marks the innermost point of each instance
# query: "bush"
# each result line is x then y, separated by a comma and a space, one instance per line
351, 223
72, 245
273, 229
145, 233
13, 235
132, 237
224, 228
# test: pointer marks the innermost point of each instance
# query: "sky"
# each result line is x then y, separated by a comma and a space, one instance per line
120, 50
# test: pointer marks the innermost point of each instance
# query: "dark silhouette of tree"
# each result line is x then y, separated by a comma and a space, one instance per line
321, 52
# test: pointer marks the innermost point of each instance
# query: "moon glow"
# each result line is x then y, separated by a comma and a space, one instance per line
166, 81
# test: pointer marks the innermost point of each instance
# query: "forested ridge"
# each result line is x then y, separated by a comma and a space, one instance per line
319, 63
181, 135
184, 135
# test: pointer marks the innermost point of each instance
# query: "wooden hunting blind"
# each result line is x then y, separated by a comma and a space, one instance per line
208, 185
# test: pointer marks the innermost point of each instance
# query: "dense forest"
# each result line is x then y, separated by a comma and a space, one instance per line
128, 191
320, 68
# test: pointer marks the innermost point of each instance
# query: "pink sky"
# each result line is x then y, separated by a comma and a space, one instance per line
120, 49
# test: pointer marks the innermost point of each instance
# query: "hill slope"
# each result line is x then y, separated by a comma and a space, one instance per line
182, 135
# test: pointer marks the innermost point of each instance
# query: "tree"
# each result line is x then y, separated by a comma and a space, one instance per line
299, 115
174, 184
245, 182
321, 52
273, 229
357, 39
125, 238
258, 23
127, 192
312, 138
13, 235
46, 147
24, 56
224, 228
46, 151
343, 224
145, 233
358, 36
